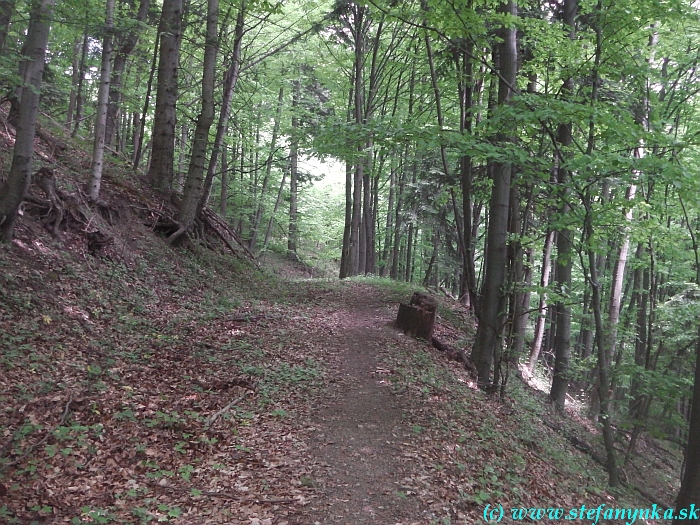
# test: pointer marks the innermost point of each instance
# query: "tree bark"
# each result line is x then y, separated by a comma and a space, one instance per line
126, 47
542, 306
564, 264
489, 332
75, 79
194, 185
19, 177
268, 171
418, 317
98, 149
161, 169
223, 199
293, 237
81, 77
230, 82
465, 87
7, 7
139, 135
389, 230
689, 492
268, 232
690, 484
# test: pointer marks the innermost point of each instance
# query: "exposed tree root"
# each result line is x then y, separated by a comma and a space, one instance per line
455, 355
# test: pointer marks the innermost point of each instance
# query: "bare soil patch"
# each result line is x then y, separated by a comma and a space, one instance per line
360, 431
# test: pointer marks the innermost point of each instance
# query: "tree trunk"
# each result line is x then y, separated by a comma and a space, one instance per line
182, 154
689, 493
346, 251
75, 79
268, 171
230, 81
223, 199
368, 216
126, 47
268, 232
19, 177
98, 149
564, 264
398, 222
519, 300
489, 332
603, 364
387, 251
7, 7
467, 286
536, 346
81, 77
293, 237
139, 136
161, 169
431, 274
345, 264
194, 185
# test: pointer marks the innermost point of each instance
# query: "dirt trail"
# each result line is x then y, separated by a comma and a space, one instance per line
360, 430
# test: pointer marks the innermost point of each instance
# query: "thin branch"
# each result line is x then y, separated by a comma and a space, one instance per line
43, 440
214, 417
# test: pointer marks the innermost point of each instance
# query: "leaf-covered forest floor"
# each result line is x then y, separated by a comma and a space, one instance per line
155, 384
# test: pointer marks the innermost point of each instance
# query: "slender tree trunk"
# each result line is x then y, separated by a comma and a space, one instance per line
230, 81
489, 333
138, 146
98, 150
75, 79
519, 296
126, 47
411, 238
194, 185
398, 222
182, 154
268, 171
618, 277
161, 169
81, 77
603, 364
387, 250
346, 250
430, 278
408, 268
564, 264
604, 383
542, 306
689, 492
223, 199
355, 222
19, 177
368, 216
278, 201
7, 7
345, 258
468, 285
293, 238
135, 134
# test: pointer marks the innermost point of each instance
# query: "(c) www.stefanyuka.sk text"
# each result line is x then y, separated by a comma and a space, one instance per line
496, 513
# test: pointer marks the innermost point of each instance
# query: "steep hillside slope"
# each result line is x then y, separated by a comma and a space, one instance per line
141, 382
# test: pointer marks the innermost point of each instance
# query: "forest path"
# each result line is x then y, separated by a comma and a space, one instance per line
362, 427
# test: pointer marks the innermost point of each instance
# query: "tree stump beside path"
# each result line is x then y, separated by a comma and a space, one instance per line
418, 317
